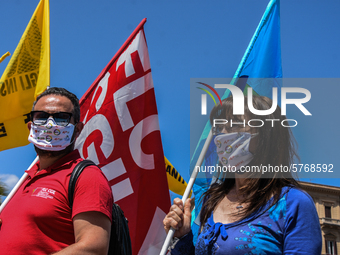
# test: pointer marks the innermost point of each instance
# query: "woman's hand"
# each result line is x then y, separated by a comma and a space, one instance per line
178, 218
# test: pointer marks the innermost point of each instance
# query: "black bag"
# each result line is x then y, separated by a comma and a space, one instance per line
120, 242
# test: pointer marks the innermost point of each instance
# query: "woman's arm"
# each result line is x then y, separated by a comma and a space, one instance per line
302, 233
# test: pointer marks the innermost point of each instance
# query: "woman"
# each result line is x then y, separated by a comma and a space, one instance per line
250, 212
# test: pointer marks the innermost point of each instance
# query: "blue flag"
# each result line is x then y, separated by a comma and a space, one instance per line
261, 60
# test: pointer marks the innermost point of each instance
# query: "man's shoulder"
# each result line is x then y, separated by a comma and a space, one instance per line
93, 173
92, 192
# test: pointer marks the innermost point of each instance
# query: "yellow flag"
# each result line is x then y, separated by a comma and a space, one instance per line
25, 77
175, 181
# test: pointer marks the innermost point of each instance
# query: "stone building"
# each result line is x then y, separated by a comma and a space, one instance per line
327, 203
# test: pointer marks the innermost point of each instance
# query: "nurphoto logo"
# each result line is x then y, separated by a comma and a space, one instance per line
238, 104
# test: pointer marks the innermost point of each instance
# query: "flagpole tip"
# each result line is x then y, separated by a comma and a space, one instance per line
4, 56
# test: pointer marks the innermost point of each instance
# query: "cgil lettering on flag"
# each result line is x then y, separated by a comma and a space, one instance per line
121, 135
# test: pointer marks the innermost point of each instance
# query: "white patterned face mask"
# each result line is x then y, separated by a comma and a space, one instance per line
233, 149
50, 136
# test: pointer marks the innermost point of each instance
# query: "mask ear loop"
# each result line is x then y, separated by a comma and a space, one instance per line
74, 132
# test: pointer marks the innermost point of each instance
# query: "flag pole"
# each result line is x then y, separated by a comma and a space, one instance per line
188, 189
17, 186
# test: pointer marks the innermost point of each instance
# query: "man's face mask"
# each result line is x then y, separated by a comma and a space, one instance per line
51, 134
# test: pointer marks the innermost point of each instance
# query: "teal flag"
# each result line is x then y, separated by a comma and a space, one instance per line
261, 60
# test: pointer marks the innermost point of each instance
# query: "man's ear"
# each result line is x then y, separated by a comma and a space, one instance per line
78, 128
29, 124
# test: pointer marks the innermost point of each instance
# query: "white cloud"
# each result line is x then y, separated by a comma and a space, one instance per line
9, 180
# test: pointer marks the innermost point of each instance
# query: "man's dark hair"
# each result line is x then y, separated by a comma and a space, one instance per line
65, 93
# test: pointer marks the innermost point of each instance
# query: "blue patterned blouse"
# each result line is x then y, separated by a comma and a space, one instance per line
291, 226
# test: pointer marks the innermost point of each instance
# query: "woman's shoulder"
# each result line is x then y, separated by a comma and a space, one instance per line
296, 194
301, 218
298, 200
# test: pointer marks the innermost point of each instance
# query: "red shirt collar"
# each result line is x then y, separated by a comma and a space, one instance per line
67, 159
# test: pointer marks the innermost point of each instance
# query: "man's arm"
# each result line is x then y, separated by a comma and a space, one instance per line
92, 234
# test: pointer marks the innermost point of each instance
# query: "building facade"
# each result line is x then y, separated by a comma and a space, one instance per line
327, 203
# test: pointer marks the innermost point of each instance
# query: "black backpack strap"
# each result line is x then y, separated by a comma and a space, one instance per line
78, 169
120, 242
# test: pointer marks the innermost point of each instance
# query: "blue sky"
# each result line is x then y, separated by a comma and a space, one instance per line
191, 39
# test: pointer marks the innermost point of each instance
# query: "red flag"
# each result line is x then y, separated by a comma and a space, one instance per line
121, 134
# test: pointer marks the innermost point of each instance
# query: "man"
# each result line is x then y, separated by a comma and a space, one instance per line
38, 219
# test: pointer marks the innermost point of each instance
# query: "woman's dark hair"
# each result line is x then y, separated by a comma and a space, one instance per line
63, 92
275, 147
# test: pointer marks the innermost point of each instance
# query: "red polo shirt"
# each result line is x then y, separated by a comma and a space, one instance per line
38, 219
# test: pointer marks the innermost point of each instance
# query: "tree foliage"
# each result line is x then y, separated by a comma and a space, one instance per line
3, 190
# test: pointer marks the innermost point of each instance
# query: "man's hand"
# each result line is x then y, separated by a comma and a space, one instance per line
92, 234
